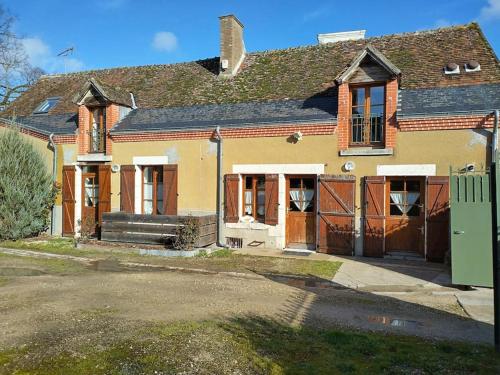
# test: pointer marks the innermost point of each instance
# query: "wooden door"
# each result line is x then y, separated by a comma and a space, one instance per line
90, 199
68, 200
336, 214
405, 220
437, 217
374, 216
301, 212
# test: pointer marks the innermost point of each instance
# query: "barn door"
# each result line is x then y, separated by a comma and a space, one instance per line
127, 188
437, 218
336, 214
68, 200
271, 204
374, 217
104, 180
170, 189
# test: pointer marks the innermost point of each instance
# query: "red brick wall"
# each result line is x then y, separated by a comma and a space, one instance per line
343, 116
112, 116
269, 131
446, 123
391, 106
83, 128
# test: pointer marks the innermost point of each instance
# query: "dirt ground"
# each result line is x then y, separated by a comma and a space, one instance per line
42, 297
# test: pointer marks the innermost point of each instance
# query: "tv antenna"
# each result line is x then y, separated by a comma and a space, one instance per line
65, 53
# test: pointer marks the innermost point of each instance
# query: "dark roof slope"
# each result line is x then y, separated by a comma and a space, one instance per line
295, 73
59, 124
456, 99
228, 115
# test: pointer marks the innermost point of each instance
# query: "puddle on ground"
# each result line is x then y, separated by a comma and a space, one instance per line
388, 321
16, 271
106, 265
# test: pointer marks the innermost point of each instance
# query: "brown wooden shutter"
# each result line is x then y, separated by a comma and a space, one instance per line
127, 188
231, 198
68, 200
374, 216
437, 216
271, 203
170, 189
104, 179
336, 214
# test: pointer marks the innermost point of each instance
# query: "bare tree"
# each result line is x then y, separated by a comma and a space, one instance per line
16, 73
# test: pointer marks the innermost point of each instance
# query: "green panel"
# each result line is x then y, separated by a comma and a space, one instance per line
471, 256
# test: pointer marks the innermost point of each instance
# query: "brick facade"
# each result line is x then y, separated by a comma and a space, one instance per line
451, 122
83, 129
343, 116
269, 131
112, 117
391, 106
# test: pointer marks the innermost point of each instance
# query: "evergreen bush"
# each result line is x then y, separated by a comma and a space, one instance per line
27, 192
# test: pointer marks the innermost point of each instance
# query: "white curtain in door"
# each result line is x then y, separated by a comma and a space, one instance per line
398, 199
302, 198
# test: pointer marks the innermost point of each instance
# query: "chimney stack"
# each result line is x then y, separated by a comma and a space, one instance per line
232, 46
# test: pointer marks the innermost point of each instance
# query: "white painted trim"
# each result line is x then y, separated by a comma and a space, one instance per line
78, 199
282, 205
150, 160
94, 158
138, 190
407, 170
279, 168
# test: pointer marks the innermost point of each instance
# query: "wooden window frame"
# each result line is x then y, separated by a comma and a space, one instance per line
254, 191
289, 199
156, 170
367, 111
404, 179
101, 129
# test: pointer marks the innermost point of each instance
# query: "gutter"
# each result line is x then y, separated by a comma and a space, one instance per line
54, 177
220, 184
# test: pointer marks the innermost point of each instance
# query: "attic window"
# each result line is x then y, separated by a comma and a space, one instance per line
472, 66
46, 105
451, 68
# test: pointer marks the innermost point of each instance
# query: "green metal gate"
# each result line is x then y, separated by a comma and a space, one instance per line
471, 236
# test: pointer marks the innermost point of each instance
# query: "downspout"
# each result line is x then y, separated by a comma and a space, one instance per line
220, 184
54, 177
494, 142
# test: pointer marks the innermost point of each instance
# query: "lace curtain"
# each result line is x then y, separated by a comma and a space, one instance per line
302, 198
398, 199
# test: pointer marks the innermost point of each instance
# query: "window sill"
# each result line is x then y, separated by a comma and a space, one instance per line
94, 157
368, 151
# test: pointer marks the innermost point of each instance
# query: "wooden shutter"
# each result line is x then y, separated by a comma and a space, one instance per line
374, 216
68, 200
231, 182
170, 189
437, 217
104, 179
336, 214
271, 203
127, 188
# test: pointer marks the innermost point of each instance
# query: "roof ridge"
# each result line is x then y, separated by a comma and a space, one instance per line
256, 53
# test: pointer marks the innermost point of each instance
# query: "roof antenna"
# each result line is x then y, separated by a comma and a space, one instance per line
67, 52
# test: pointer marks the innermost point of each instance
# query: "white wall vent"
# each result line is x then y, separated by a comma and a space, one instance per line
451, 68
341, 36
472, 66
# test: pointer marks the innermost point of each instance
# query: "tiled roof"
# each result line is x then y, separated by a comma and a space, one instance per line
294, 73
229, 115
449, 100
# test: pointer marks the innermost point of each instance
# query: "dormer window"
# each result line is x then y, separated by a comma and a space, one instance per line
367, 115
97, 132
46, 106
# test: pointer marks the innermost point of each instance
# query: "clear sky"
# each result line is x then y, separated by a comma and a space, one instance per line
110, 33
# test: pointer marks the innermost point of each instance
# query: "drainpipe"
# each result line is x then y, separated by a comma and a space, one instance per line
495, 233
220, 190
54, 176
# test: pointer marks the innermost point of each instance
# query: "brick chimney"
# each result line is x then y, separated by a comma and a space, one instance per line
232, 46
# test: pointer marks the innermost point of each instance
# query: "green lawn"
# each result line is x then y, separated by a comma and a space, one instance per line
250, 346
222, 260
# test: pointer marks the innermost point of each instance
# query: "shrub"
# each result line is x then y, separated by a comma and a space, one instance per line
26, 189
186, 234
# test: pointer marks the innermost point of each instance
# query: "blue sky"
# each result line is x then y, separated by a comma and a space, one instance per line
109, 33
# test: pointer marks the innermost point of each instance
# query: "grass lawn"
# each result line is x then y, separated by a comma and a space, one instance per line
222, 260
246, 346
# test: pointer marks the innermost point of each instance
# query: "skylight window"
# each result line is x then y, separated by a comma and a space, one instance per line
46, 105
